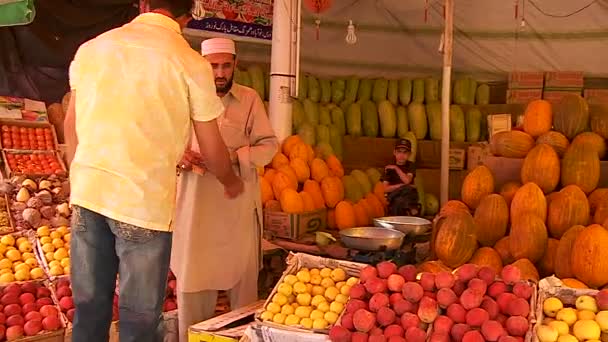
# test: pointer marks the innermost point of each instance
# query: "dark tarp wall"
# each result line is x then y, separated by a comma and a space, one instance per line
34, 59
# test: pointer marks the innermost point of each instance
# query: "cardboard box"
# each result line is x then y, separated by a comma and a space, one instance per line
12, 124
293, 226
498, 123
476, 154
596, 96
229, 327
526, 79
564, 79
523, 96
555, 96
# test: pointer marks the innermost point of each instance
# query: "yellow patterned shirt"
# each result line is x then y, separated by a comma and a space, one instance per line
138, 88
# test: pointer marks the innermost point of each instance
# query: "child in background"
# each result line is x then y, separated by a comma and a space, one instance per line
398, 181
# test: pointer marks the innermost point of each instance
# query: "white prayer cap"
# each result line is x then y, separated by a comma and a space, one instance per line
217, 45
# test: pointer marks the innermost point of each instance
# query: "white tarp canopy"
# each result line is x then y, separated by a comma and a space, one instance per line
489, 41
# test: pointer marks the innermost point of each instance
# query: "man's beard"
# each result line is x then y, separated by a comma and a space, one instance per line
226, 87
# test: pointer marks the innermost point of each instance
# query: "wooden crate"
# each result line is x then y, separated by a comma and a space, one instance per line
10, 173
29, 124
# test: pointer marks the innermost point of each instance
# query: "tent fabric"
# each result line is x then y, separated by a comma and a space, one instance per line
34, 59
489, 41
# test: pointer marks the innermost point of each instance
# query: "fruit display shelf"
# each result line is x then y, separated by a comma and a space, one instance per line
7, 224
30, 314
298, 271
29, 136
33, 163
18, 259
570, 314
53, 250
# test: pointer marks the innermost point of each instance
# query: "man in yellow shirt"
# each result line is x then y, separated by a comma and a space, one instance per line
137, 93
217, 245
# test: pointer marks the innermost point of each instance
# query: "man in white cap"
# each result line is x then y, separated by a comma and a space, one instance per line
216, 245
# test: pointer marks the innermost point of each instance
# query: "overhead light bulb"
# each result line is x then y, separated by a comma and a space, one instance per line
351, 38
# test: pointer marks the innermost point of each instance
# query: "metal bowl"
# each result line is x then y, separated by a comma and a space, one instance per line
372, 238
408, 225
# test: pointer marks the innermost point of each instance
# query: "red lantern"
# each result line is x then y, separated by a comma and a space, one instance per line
318, 7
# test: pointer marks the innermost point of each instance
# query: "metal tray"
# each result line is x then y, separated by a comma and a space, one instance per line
372, 238
408, 225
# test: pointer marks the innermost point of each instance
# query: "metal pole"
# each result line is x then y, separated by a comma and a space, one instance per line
445, 100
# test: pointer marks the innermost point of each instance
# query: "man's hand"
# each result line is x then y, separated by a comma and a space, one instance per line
191, 159
234, 189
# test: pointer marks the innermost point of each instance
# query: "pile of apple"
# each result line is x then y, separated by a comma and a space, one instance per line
55, 245
393, 305
63, 292
586, 321
27, 310
17, 260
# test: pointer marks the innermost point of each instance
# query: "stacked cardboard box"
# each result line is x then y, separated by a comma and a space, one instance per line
561, 83
525, 86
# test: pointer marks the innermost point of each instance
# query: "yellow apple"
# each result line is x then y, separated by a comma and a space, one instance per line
586, 303
551, 306
546, 333
587, 330
602, 319
568, 315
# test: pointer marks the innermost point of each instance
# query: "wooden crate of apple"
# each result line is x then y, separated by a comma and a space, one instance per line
38, 202
28, 310
311, 299
571, 316
17, 259
395, 305
19, 137
34, 164
54, 246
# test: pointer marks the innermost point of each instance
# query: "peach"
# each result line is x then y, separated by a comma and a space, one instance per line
409, 320
477, 316
471, 299
457, 313
12, 309
395, 297
43, 292
458, 331
522, 290
32, 328
364, 320
396, 339
40, 302
478, 286
12, 288
33, 316
602, 299
403, 306
375, 285
443, 324
507, 339
63, 292
51, 323
427, 281
377, 301
393, 330
428, 310
487, 274
29, 287
355, 304
376, 331
415, 334
444, 279
49, 310
376, 338
408, 272
446, 297
502, 319
430, 294
466, 272
2, 332
26, 297
368, 273
496, 289
10, 298
510, 274
491, 307
347, 321
517, 326
412, 292
518, 307
66, 303
339, 333
395, 282
2, 318
472, 336
63, 283
70, 314
15, 320
359, 337
503, 301
13, 333
385, 269
492, 330
385, 316
358, 291
459, 288
439, 336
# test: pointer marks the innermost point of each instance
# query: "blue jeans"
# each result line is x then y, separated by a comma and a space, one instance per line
101, 248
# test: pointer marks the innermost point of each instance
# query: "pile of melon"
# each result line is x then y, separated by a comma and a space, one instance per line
555, 221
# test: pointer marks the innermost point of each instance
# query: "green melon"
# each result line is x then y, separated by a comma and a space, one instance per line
325, 90
352, 189
363, 180
353, 120
473, 124
472, 91
457, 124
335, 140
314, 89
352, 89
402, 123
421, 194
461, 91
388, 119
374, 175
324, 150
257, 79
322, 134
393, 92
338, 86
324, 115
306, 131
405, 91
311, 109
418, 90
298, 117
433, 111
571, 116
369, 118
417, 118
482, 96
302, 87
365, 90
380, 90
412, 138
431, 204
337, 118
431, 89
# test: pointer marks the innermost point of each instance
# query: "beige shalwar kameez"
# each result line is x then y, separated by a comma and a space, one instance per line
217, 241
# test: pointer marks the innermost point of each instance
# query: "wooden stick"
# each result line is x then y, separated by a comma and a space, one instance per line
448, 41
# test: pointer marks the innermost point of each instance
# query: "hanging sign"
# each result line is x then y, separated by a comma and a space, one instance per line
247, 18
